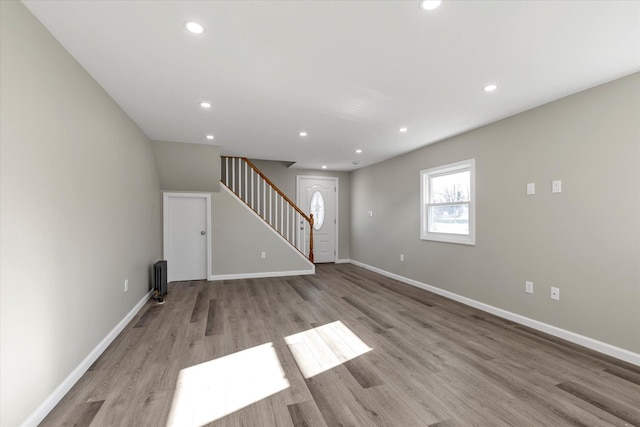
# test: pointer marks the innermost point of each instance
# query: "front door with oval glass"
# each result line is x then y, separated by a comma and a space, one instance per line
318, 197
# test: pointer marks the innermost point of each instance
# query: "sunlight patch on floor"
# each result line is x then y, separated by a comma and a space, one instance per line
320, 349
214, 389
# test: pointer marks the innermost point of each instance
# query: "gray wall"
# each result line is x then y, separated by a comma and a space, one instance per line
187, 167
583, 240
80, 213
238, 238
285, 179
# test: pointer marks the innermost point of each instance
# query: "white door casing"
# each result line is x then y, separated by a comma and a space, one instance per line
322, 193
186, 235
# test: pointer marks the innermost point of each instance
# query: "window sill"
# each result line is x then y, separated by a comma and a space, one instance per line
449, 238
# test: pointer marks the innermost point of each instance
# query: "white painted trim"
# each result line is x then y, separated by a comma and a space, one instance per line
343, 261
599, 346
50, 402
262, 275
337, 204
165, 223
268, 226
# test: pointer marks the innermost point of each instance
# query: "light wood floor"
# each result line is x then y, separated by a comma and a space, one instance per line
433, 362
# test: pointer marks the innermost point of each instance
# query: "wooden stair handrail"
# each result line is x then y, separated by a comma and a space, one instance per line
275, 187
308, 218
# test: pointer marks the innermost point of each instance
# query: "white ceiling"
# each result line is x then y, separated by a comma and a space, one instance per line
350, 73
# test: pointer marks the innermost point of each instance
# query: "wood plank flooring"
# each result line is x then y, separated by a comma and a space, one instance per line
376, 352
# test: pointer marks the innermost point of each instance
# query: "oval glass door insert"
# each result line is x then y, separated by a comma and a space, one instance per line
317, 209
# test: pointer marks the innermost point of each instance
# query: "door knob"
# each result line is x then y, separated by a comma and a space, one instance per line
202, 232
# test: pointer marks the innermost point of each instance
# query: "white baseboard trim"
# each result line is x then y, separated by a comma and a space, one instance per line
343, 261
599, 346
43, 410
262, 275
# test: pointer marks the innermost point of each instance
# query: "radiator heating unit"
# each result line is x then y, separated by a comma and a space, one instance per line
160, 280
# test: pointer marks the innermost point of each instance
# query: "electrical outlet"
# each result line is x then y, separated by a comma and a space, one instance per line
370, 213
402, 257
528, 287
555, 293
556, 186
263, 255
126, 285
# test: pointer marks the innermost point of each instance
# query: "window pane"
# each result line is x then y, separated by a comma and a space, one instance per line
451, 219
453, 187
317, 209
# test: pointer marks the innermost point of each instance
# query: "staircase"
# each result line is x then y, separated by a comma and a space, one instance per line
251, 186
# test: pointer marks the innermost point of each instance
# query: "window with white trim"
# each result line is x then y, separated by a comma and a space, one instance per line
447, 203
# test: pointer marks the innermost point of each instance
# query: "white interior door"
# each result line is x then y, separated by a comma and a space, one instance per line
317, 195
186, 235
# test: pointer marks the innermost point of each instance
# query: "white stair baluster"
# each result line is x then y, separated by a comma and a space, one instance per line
258, 204
233, 175
270, 204
251, 189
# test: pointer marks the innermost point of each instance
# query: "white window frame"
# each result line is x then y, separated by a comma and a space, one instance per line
425, 178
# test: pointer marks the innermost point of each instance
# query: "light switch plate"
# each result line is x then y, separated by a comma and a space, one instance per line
531, 188
556, 186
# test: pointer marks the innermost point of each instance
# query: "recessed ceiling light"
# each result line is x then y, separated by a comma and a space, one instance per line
490, 88
430, 4
194, 27
358, 151
209, 136
324, 166
205, 104
403, 130
303, 134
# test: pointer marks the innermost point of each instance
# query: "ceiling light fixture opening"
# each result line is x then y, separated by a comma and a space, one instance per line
209, 136
324, 166
430, 4
403, 130
194, 27
358, 151
490, 88
303, 134
205, 104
